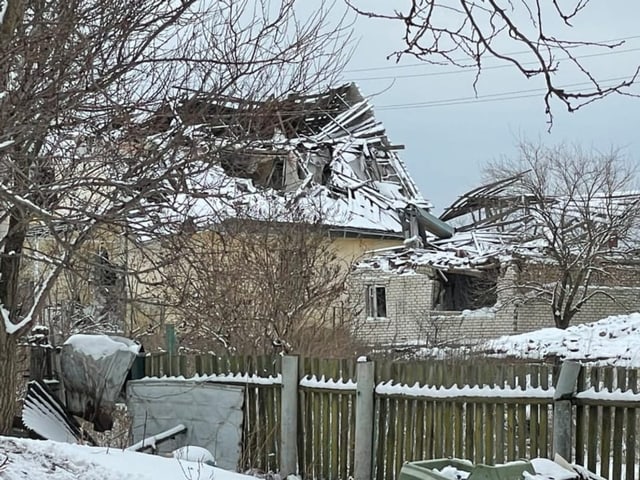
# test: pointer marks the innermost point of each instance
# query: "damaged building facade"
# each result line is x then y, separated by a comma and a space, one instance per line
323, 159
488, 278
320, 158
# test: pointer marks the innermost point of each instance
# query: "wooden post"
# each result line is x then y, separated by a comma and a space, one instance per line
364, 420
562, 409
41, 355
289, 417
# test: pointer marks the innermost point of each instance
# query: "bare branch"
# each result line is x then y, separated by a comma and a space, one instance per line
437, 32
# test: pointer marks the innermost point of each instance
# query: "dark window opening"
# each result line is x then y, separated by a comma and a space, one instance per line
455, 292
106, 274
376, 301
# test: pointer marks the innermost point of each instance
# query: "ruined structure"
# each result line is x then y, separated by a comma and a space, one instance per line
497, 274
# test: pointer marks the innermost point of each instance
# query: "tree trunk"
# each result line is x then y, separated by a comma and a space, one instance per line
8, 361
9, 278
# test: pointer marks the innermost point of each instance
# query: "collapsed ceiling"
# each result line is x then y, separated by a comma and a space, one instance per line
325, 154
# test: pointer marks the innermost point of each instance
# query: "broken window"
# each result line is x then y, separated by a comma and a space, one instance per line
456, 292
376, 301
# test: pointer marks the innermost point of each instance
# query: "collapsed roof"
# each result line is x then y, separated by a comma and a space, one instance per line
498, 222
325, 154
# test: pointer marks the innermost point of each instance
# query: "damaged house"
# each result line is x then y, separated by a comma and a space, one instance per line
503, 270
320, 159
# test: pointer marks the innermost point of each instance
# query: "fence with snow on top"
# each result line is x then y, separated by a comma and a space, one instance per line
487, 410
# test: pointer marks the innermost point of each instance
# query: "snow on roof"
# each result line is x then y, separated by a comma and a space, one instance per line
464, 252
495, 224
325, 154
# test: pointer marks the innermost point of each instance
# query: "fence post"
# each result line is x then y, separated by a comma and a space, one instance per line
289, 417
363, 455
562, 409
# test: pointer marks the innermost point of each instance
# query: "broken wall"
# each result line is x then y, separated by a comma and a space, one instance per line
412, 320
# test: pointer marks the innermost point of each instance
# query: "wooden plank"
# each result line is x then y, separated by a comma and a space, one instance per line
429, 429
438, 430
419, 451
410, 432
458, 412
618, 425
399, 436
500, 446
316, 445
522, 431
322, 425
391, 440
605, 432
488, 411
580, 437
544, 440
469, 424
381, 437
478, 438
523, 426
630, 437
512, 430
447, 418
270, 424
352, 433
534, 414
306, 433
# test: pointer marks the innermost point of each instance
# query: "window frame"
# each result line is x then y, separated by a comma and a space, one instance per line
374, 293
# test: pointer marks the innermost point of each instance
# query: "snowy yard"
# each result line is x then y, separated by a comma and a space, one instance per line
22, 459
611, 341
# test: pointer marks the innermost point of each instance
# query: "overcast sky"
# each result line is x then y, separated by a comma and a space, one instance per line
447, 144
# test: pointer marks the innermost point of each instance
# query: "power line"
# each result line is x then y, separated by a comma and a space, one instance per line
422, 64
484, 98
492, 67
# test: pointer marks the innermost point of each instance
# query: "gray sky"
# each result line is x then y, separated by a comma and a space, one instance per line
447, 145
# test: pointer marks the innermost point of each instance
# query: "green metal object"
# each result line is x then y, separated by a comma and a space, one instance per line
170, 338
430, 470
137, 369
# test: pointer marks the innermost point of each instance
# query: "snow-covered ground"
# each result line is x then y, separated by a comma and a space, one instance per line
610, 341
23, 459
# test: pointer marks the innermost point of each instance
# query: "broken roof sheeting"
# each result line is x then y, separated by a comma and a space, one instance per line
497, 223
329, 155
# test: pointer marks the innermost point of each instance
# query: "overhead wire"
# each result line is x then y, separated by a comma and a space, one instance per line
474, 69
423, 64
513, 95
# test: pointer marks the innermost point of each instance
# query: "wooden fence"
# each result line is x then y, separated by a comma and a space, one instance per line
489, 411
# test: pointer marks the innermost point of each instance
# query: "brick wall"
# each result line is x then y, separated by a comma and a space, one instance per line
410, 316
410, 319
536, 314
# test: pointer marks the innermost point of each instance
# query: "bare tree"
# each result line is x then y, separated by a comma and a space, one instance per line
532, 36
93, 131
581, 209
264, 285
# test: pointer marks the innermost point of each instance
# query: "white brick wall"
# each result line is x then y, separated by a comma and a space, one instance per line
411, 320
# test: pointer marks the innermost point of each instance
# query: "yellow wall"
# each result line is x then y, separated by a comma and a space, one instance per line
351, 249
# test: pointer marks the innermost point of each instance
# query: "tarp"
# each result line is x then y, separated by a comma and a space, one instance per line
211, 412
94, 369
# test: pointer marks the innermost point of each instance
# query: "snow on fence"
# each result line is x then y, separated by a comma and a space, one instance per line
488, 411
